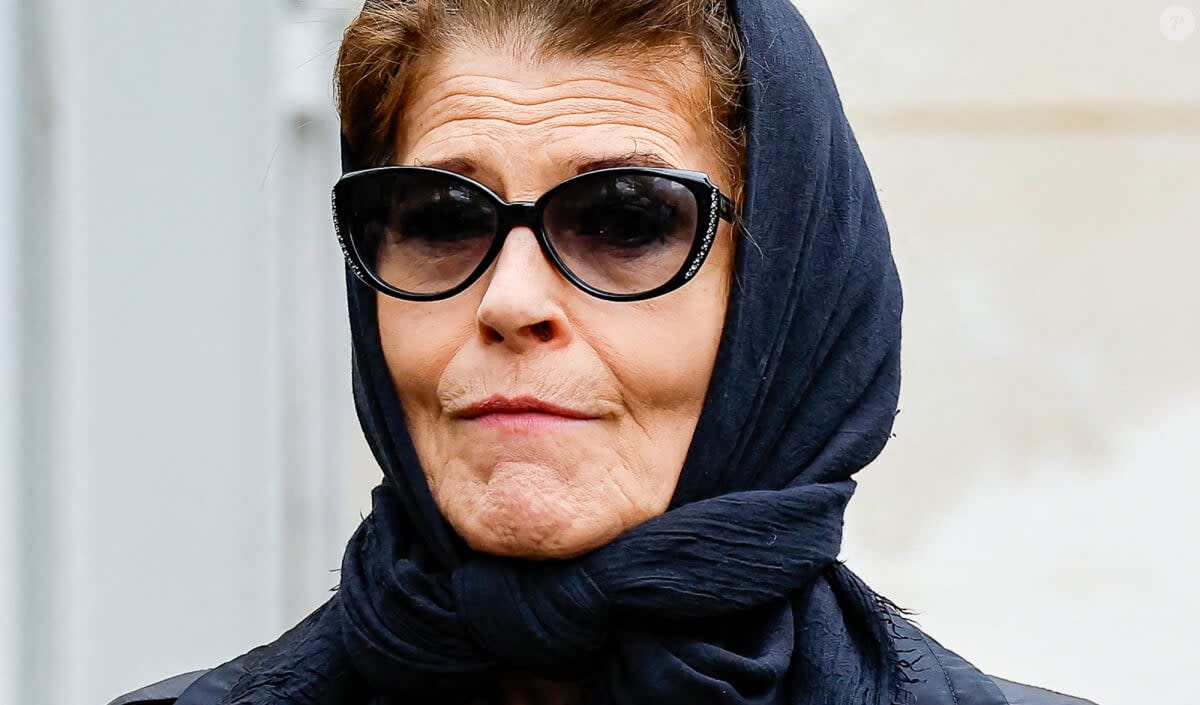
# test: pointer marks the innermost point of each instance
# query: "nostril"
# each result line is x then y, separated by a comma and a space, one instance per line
543, 331
491, 335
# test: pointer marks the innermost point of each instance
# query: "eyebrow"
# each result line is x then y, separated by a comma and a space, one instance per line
459, 165
586, 162
578, 162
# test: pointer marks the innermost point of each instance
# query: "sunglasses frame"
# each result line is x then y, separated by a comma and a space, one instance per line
709, 198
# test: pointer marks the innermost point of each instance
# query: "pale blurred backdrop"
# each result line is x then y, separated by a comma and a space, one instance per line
180, 467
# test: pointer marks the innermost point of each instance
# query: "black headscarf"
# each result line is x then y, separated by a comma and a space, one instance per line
734, 595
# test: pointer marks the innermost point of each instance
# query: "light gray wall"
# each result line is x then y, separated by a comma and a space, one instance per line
154, 527
173, 337
10, 339
1039, 164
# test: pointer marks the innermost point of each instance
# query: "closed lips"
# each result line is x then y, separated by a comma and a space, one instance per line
520, 405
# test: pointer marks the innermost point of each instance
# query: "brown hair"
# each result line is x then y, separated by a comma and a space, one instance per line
386, 49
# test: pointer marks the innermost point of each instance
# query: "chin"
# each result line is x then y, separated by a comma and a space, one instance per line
526, 510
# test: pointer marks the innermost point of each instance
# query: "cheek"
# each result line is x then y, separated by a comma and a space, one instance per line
419, 339
663, 349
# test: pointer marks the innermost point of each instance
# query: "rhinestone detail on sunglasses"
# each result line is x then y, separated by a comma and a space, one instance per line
342, 243
708, 235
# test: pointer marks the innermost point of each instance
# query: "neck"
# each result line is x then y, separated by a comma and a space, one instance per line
525, 689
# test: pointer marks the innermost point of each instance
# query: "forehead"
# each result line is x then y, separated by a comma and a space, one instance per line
499, 112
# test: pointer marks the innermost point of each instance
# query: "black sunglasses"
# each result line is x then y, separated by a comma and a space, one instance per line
622, 234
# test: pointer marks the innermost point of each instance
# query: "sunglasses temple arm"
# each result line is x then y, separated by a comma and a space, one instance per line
727, 207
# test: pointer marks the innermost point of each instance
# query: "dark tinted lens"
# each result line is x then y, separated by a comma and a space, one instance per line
419, 231
623, 233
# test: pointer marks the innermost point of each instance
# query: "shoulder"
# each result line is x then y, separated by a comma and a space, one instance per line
163, 692
935, 674
212, 683
166, 692
203, 687
1021, 694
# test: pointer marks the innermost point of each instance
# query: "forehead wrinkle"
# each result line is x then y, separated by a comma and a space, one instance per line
565, 121
561, 92
611, 83
484, 93
456, 139
448, 137
459, 107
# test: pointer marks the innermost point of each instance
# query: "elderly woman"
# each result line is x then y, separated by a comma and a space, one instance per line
625, 324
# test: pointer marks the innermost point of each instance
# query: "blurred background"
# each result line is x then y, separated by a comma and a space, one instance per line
180, 466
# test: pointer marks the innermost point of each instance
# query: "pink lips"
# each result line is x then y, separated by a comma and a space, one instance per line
528, 414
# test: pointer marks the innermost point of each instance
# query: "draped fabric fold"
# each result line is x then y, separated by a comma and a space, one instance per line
734, 595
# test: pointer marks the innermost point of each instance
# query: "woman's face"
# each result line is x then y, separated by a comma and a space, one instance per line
540, 485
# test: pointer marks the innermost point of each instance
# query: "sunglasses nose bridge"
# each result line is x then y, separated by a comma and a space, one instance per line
515, 215
522, 213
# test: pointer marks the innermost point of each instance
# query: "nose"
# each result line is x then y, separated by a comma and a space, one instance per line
521, 305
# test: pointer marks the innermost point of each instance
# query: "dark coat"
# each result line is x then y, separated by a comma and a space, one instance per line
935, 672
